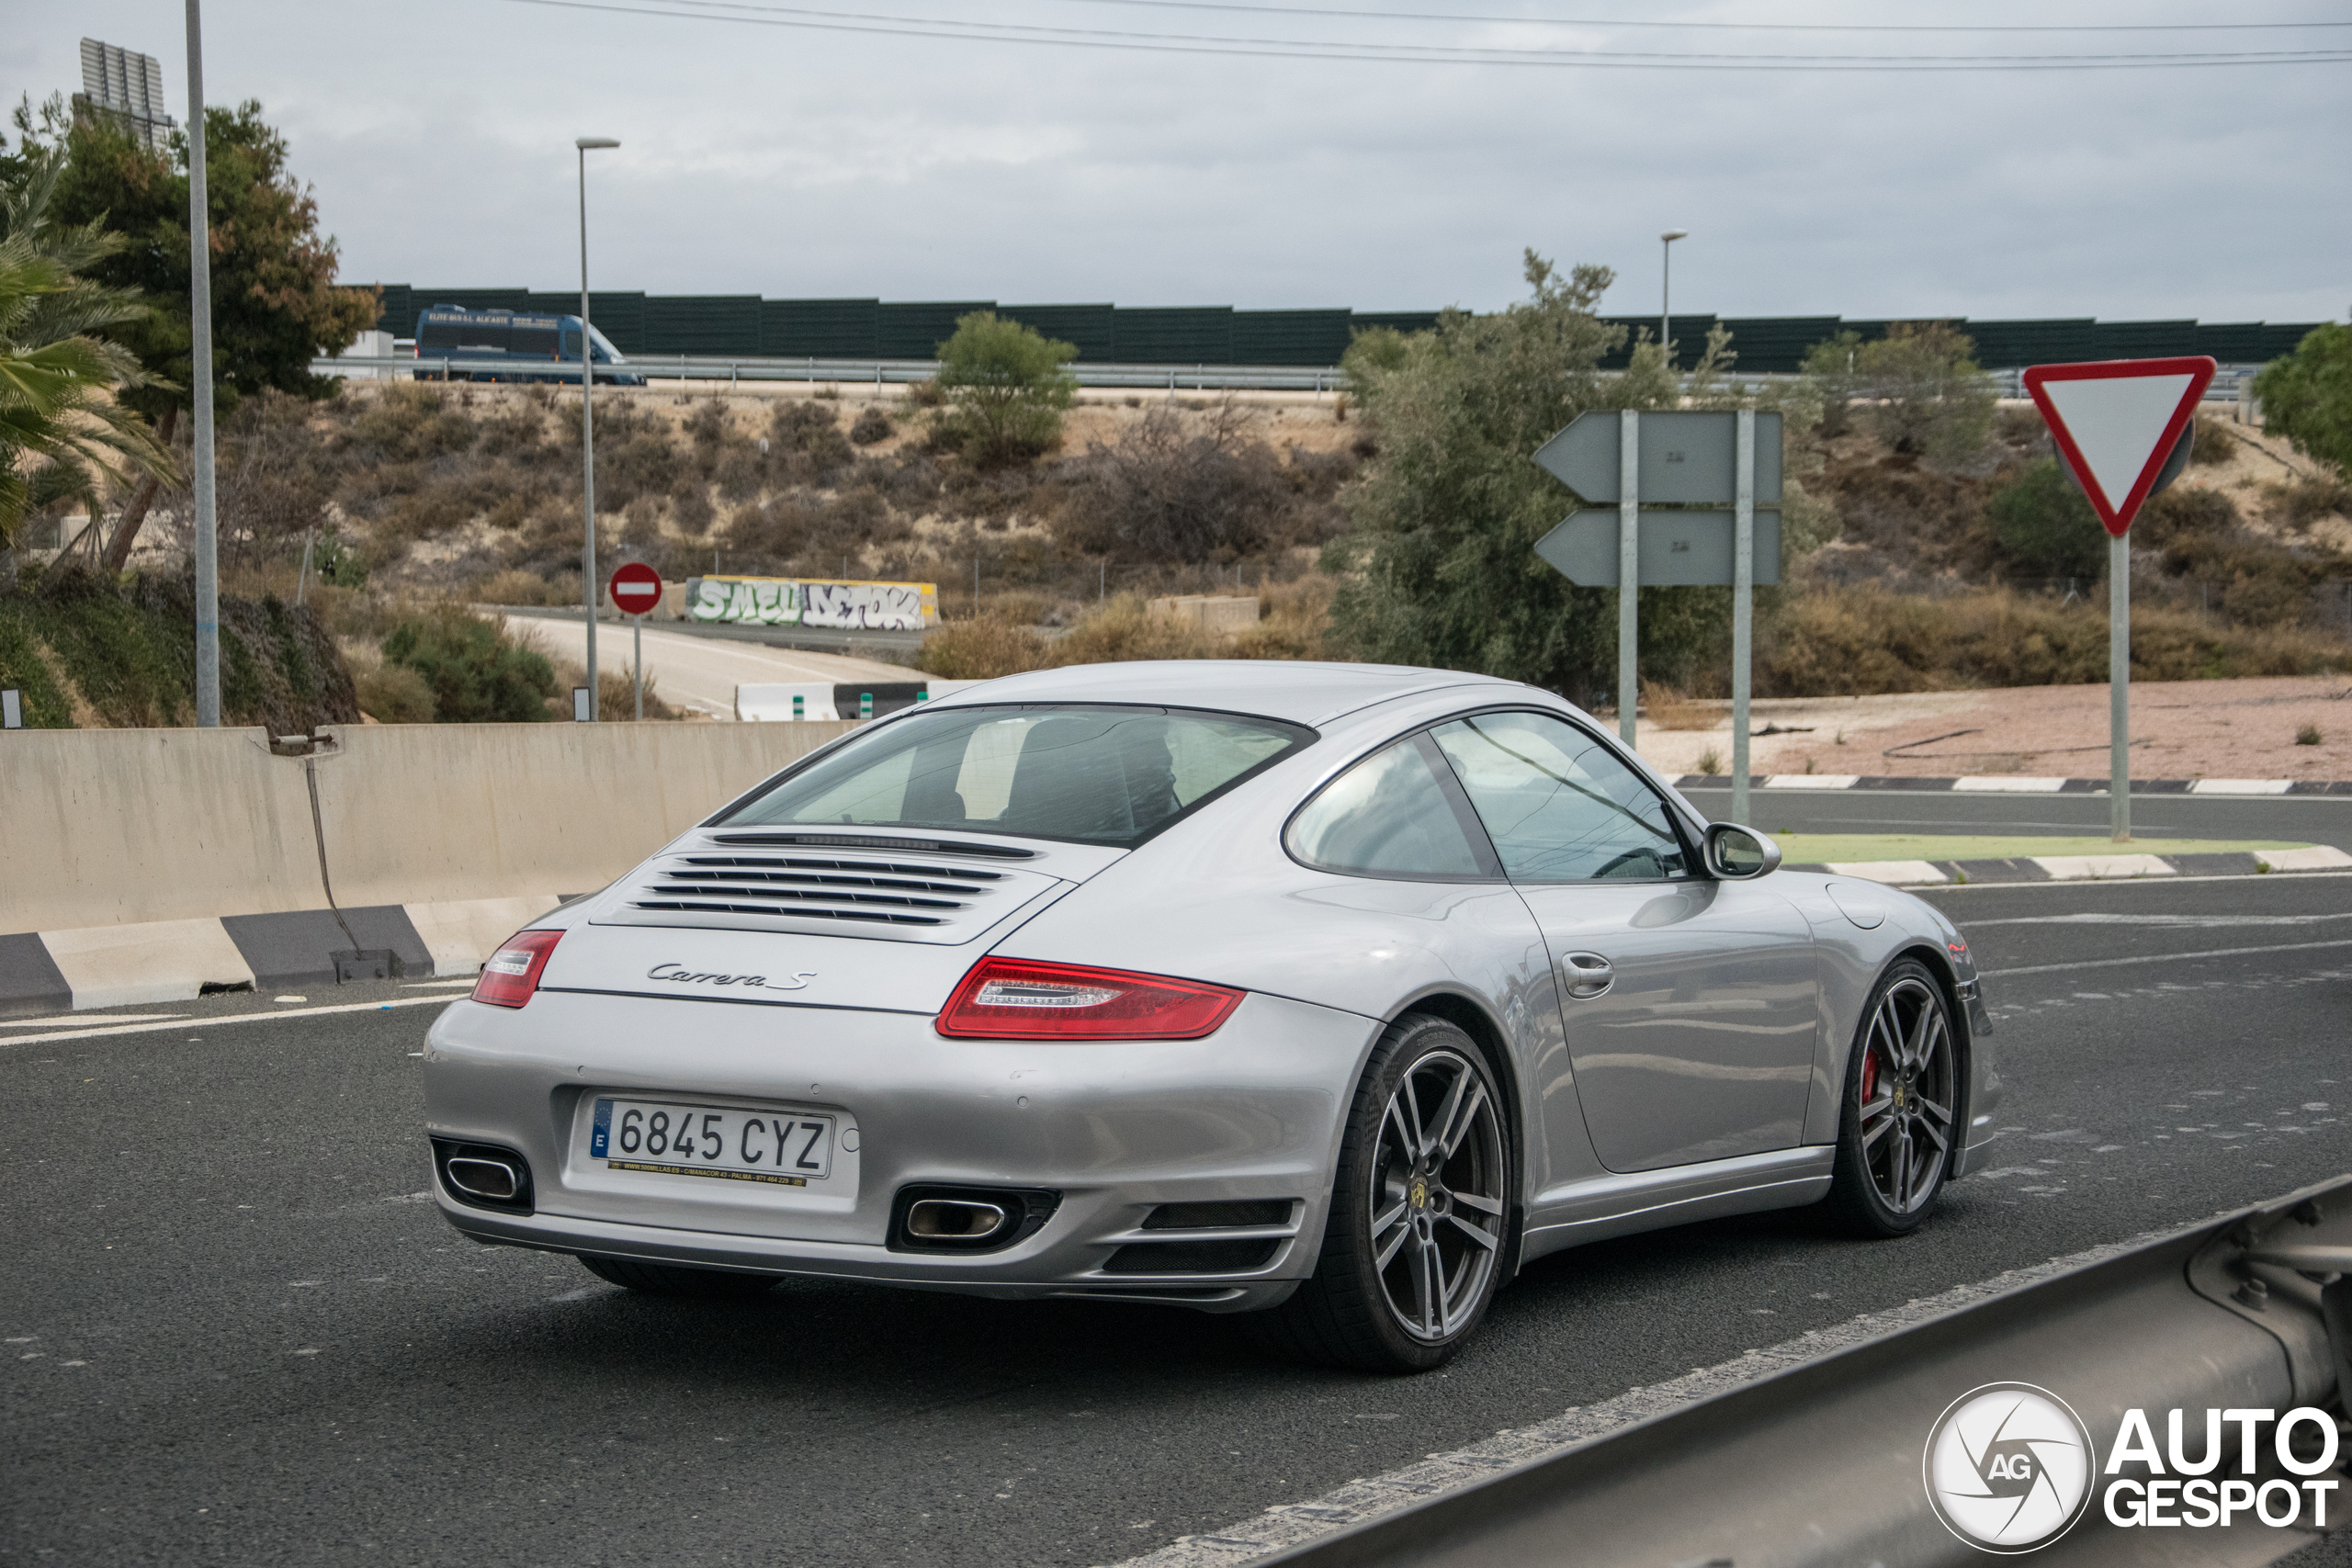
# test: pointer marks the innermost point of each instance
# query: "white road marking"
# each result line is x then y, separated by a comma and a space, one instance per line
2196, 920
53, 1020
232, 1018
2162, 958
1290, 1525
2274, 878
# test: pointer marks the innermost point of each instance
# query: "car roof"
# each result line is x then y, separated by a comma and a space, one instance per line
1295, 690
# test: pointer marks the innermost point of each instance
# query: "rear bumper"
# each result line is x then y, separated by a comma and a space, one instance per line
1253, 1111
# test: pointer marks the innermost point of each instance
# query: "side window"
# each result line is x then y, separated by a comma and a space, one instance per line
1389, 816
1558, 804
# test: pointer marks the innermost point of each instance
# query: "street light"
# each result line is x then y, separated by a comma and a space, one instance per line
1666, 290
586, 145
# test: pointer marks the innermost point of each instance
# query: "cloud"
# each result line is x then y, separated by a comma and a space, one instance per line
769, 161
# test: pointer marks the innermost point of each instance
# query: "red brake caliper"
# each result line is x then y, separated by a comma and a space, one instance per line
1870, 1075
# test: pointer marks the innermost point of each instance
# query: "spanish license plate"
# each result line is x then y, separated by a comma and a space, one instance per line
785, 1148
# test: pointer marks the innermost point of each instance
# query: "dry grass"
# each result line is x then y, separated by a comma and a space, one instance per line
1669, 709
981, 650
1862, 641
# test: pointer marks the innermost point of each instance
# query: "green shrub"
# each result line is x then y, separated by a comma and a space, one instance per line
394, 693
23, 670
1006, 387
2044, 525
477, 671
2307, 396
1923, 391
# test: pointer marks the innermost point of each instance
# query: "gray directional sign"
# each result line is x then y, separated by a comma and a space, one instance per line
1686, 459
1679, 549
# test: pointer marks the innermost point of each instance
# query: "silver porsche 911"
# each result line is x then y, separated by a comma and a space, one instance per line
1327, 993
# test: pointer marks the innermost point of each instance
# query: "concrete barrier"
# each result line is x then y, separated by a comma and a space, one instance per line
147, 865
122, 827
420, 813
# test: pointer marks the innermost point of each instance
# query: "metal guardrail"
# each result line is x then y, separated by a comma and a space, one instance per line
1821, 1464
840, 372
1171, 379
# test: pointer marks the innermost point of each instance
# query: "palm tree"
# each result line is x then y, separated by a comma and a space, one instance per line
61, 428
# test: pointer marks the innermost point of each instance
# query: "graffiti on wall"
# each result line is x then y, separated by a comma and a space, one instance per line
801, 602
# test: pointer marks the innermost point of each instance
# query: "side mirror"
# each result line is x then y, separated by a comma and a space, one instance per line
1739, 854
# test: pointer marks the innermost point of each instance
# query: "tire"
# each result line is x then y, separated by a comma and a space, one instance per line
676, 1279
1899, 1119
1442, 1218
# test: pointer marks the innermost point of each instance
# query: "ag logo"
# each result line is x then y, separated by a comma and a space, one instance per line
2008, 1467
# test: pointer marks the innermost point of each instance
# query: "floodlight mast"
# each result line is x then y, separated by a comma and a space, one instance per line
584, 145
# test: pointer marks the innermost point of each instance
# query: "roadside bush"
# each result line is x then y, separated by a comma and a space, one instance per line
2305, 502
394, 693
2212, 442
1126, 629
805, 445
2044, 525
510, 587
1168, 491
476, 669
1923, 392
871, 426
981, 650
2307, 396
1005, 387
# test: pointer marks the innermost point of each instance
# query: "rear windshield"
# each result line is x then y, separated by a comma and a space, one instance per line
1095, 774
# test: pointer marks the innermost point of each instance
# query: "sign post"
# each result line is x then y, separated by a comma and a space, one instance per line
636, 589
1698, 500
2124, 428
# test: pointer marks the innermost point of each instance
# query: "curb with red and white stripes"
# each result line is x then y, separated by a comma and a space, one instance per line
2007, 783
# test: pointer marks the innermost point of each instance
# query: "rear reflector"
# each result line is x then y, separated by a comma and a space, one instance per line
1011, 998
512, 972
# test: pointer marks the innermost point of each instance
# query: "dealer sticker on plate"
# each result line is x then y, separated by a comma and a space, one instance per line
786, 1148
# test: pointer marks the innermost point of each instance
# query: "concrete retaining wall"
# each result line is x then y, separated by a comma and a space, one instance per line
144, 865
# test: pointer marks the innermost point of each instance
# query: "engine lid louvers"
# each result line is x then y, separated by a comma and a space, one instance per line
888, 895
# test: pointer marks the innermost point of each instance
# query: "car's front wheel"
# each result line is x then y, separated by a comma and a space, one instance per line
676, 1279
1901, 1110
1413, 1249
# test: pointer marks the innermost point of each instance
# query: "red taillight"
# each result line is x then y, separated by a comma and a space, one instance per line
1011, 998
512, 972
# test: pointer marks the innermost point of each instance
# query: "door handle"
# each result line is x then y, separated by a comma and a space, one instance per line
1587, 974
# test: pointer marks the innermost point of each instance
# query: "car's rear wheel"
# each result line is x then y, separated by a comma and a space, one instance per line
676, 1279
1900, 1110
1413, 1247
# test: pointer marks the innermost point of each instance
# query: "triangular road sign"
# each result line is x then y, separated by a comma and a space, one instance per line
2116, 421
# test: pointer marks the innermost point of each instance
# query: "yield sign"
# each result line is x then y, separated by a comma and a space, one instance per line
2116, 420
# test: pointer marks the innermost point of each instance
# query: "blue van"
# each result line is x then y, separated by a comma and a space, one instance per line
535, 343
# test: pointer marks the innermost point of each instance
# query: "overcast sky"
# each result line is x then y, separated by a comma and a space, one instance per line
788, 162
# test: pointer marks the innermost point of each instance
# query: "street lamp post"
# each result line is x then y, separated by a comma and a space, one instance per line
1666, 290
208, 539
586, 145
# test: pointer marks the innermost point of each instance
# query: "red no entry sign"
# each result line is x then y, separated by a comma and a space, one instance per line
636, 589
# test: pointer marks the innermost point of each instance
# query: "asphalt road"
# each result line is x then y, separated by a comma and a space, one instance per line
2310, 819
238, 1332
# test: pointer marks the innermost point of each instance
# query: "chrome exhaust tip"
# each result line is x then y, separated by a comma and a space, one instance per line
956, 1219
490, 1178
